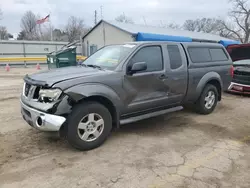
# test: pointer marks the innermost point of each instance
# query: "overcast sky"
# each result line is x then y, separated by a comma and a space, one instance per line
154, 11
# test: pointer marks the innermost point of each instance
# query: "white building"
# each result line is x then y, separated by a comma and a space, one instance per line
112, 32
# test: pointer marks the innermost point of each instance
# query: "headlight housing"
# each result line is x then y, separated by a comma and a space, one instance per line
49, 95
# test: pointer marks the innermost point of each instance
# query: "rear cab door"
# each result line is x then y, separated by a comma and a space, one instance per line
177, 72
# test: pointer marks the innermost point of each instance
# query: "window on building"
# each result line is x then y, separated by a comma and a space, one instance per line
174, 56
93, 48
152, 55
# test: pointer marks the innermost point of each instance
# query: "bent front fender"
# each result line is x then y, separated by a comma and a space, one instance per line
79, 92
82, 91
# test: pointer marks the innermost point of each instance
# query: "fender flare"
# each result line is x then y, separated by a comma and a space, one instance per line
205, 79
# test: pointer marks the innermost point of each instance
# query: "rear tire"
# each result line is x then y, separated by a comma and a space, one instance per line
208, 100
89, 125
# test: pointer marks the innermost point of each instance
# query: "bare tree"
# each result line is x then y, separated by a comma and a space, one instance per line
124, 19
29, 26
238, 24
173, 26
74, 28
190, 25
21, 35
169, 25
4, 35
59, 35
206, 25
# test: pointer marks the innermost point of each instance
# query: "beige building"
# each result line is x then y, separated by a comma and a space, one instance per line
113, 32
104, 33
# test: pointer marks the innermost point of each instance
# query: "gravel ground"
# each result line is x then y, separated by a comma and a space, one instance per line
182, 149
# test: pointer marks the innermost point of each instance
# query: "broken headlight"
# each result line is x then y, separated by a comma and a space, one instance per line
49, 95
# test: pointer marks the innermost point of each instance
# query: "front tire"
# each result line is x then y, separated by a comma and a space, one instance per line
208, 100
89, 125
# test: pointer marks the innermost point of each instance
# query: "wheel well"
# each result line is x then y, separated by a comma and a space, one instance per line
108, 104
216, 83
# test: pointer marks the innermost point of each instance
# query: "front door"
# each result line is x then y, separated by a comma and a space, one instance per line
146, 89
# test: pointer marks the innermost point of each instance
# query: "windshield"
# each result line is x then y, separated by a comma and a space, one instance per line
110, 56
242, 62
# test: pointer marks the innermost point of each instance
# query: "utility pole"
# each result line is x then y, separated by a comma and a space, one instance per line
101, 13
95, 17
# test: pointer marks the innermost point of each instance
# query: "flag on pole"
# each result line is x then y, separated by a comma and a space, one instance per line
45, 19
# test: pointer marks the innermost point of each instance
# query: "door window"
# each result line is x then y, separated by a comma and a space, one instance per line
152, 55
174, 56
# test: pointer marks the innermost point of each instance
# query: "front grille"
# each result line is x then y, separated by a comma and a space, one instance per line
36, 93
241, 77
31, 91
27, 89
242, 73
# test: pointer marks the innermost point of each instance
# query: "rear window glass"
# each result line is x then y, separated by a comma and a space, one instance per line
202, 55
218, 54
199, 55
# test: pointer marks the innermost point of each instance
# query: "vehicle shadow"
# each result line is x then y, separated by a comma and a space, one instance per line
175, 123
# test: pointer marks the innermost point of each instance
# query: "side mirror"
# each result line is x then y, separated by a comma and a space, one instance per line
139, 66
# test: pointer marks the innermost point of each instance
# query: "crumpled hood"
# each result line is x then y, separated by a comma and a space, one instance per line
50, 77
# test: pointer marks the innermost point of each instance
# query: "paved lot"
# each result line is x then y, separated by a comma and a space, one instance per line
183, 149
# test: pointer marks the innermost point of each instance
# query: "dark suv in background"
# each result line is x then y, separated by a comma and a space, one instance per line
125, 83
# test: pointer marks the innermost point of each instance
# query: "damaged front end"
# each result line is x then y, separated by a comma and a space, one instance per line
240, 54
43, 107
241, 77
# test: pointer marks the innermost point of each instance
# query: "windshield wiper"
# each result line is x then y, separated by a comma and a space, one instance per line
94, 66
83, 65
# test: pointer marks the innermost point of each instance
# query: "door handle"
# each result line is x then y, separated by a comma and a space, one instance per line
163, 77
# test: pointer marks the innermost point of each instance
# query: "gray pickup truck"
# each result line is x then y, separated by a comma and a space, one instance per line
120, 84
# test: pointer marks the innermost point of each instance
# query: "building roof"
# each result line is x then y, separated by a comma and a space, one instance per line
134, 29
32, 42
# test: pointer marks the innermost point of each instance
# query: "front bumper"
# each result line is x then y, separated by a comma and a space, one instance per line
239, 88
40, 120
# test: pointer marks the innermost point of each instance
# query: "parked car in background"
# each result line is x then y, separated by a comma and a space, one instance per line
240, 54
124, 83
241, 77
